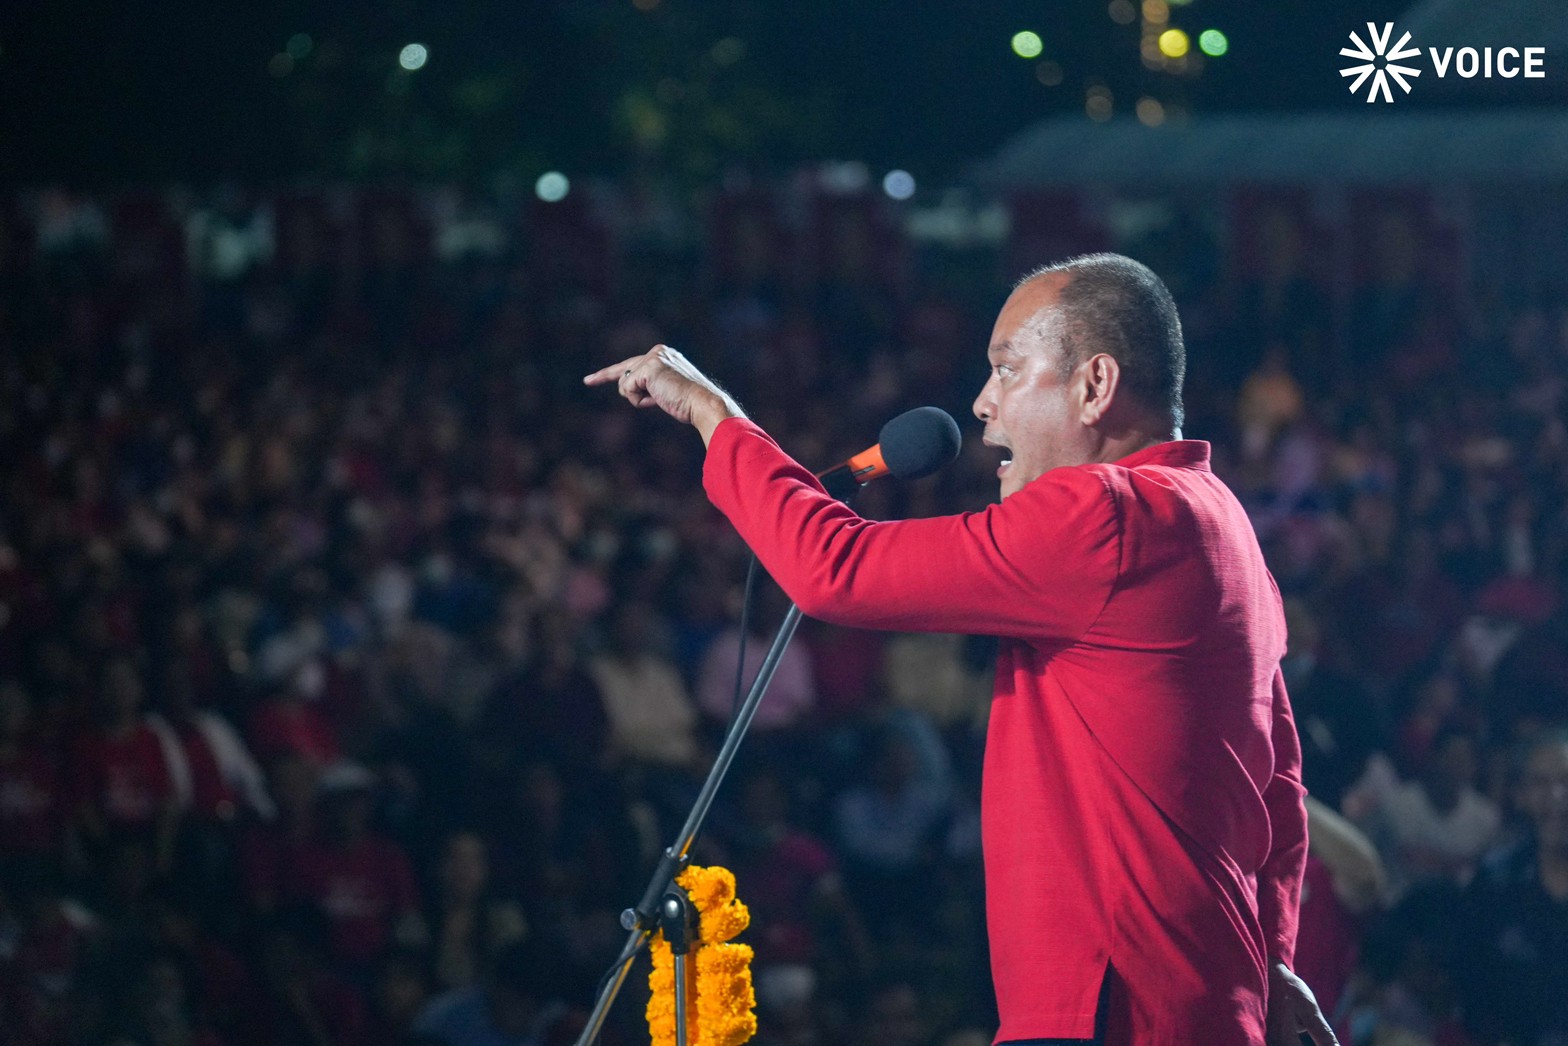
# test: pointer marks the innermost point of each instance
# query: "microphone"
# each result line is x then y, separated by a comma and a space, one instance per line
913, 445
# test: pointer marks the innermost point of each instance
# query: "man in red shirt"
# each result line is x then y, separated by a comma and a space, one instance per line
360, 880
1143, 822
122, 772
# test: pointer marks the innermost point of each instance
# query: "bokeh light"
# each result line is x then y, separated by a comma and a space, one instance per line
899, 184
1049, 73
1174, 43
1212, 42
1027, 44
413, 56
280, 65
552, 187
1151, 112
1123, 12
1098, 103
728, 51
1156, 12
299, 46
844, 178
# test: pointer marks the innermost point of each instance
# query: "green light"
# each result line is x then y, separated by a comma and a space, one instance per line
1027, 44
1212, 42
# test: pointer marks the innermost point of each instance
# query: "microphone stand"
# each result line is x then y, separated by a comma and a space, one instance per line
642, 920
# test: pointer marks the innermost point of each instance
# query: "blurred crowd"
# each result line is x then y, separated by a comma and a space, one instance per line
356, 662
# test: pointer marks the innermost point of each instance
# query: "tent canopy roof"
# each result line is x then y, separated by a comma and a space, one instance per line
1383, 147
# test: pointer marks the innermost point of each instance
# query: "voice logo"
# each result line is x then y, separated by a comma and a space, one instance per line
1377, 62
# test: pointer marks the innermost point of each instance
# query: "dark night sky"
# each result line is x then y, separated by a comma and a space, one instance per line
95, 92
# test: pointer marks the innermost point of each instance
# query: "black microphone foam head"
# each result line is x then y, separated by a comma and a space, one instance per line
919, 442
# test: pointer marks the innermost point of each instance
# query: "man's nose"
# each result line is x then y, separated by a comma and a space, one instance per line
982, 405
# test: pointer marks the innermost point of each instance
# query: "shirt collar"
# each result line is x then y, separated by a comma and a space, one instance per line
1176, 453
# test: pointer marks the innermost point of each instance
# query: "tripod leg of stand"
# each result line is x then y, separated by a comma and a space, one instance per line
612, 986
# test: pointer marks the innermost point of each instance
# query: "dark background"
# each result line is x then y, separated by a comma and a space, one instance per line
109, 93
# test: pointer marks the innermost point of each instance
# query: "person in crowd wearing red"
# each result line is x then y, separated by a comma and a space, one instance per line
1143, 818
216, 783
1344, 885
216, 779
293, 721
123, 770
362, 882
269, 850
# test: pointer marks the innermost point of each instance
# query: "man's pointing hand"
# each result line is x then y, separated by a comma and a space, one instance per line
663, 378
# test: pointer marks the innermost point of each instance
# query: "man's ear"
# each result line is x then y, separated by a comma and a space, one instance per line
1099, 378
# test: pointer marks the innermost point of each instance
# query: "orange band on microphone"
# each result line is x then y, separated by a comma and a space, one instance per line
867, 465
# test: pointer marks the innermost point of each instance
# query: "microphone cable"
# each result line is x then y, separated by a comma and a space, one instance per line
740, 656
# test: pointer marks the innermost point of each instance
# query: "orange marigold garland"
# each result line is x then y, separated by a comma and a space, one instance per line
719, 997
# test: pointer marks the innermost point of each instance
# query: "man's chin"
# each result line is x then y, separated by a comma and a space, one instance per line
1013, 480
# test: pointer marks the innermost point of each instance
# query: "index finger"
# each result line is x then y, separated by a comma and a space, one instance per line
611, 373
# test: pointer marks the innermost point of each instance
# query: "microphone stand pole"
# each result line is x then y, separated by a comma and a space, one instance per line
642, 920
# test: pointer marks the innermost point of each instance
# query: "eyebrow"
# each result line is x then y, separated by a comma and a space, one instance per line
1001, 348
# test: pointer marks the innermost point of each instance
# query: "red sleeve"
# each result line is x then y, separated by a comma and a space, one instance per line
1279, 880
1039, 566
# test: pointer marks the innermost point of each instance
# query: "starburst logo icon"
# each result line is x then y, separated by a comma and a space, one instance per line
1377, 62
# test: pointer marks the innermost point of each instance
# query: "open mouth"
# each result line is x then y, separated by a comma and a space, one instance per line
1006, 461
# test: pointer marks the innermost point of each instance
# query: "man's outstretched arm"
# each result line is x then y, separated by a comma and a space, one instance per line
1039, 566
